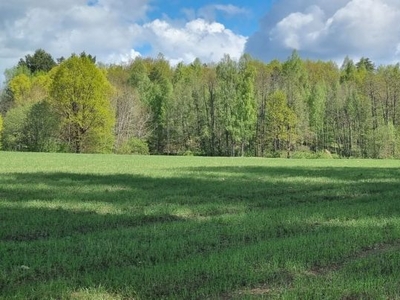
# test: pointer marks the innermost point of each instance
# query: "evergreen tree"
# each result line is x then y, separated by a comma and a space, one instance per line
40, 61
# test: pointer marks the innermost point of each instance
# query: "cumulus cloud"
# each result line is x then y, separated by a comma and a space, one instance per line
112, 30
208, 41
104, 28
330, 30
298, 28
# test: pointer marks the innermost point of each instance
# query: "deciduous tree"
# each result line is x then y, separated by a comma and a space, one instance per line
80, 94
228, 81
132, 119
14, 123
29, 89
159, 102
245, 109
281, 122
41, 129
296, 88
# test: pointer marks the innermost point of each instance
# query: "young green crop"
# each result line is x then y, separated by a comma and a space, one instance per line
123, 227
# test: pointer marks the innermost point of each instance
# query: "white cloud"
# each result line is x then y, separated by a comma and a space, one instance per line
123, 58
112, 30
330, 30
208, 41
298, 28
105, 29
368, 26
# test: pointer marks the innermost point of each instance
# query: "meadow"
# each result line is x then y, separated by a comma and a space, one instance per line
153, 227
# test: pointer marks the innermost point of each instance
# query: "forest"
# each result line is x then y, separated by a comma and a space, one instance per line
297, 108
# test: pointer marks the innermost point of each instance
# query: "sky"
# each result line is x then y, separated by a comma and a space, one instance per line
117, 31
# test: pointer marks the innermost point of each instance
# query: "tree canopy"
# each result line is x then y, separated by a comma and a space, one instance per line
297, 107
80, 95
40, 61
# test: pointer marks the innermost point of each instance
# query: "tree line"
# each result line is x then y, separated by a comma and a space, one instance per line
295, 108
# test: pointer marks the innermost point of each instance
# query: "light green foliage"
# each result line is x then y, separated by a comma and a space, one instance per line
138, 146
30, 125
228, 102
317, 102
132, 117
13, 128
184, 111
211, 131
386, 142
348, 70
216, 109
267, 79
133, 146
245, 108
15, 71
20, 86
151, 227
317, 107
160, 104
41, 129
6, 97
29, 89
80, 95
139, 71
281, 122
296, 87
153, 80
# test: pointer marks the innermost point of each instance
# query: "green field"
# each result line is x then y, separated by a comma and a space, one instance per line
148, 227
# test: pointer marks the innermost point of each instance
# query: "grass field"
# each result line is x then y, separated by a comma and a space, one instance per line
133, 227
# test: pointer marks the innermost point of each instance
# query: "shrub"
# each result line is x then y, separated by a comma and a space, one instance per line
133, 146
13, 128
314, 155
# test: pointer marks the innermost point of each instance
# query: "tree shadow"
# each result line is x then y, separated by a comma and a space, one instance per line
341, 173
165, 222
89, 202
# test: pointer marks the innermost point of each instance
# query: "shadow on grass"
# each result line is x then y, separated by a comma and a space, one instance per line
196, 212
342, 173
44, 205
30, 224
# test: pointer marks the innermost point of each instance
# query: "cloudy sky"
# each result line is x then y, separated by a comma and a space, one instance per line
119, 30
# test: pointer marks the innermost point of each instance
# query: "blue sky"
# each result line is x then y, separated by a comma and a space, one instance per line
244, 23
117, 31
